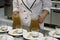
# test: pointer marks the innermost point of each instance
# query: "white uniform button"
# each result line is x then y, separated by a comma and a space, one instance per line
24, 10
21, 3
25, 17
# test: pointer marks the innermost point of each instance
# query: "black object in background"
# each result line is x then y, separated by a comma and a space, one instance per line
7, 2
55, 0
2, 3
56, 11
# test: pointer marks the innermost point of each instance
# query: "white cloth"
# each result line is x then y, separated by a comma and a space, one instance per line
36, 9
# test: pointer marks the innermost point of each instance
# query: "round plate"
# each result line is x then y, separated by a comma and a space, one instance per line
10, 38
49, 38
54, 34
25, 35
11, 32
6, 37
8, 29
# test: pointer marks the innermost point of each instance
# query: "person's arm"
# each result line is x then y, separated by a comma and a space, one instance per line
15, 5
15, 8
46, 9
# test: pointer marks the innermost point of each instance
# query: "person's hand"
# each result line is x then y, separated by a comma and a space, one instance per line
41, 19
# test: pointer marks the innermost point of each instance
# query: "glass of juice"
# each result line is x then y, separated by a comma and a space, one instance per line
34, 25
16, 21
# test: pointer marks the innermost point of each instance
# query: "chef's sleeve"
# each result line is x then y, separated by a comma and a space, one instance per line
15, 5
47, 5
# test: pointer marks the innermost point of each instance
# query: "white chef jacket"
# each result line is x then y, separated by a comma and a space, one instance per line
37, 8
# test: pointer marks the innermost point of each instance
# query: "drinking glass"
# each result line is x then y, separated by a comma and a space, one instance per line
34, 25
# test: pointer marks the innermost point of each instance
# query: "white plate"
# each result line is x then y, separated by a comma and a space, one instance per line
15, 34
6, 37
49, 38
25, 35
8, 29
53, 34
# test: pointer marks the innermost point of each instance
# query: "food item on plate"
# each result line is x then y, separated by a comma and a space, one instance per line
17, 32
34, 35
55, 33
29, 35
14, 32
3, 28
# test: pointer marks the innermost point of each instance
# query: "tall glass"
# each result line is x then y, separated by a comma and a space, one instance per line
34, 25
16, 21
